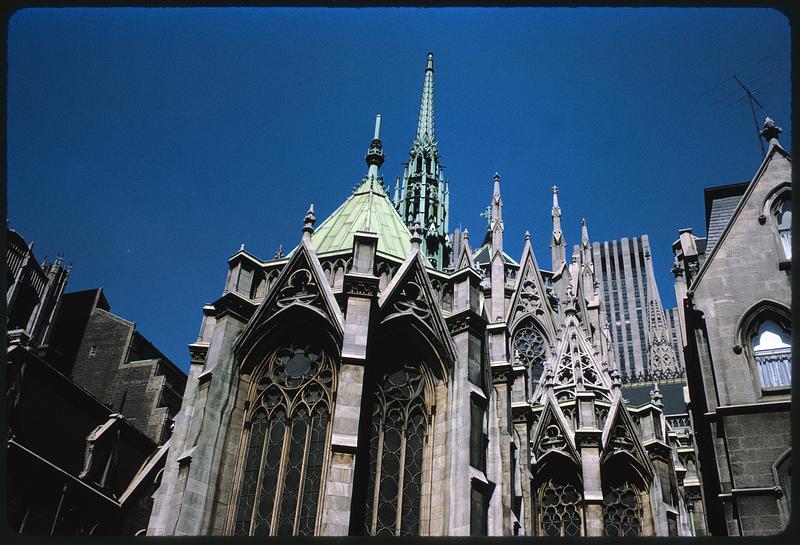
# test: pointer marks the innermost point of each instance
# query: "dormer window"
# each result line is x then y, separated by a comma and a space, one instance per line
772, 351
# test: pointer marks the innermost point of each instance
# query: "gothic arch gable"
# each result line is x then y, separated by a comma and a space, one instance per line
620, 439
410, 298
530, 297
553, 436
301, 286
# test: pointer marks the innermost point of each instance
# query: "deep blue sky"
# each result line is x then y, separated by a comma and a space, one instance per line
146, 145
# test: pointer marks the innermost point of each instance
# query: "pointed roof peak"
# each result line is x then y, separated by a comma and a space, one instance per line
425, 134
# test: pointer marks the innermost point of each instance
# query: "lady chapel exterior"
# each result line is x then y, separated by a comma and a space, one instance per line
385, 378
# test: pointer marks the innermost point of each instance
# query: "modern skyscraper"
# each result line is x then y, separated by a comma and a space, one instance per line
633, 311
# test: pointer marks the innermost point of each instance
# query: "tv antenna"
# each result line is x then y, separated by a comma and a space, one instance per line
751, 98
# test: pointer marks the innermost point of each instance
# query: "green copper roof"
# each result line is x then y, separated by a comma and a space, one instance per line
367, 209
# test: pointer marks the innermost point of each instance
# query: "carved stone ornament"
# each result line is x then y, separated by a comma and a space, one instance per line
529, 297
411, 301
300, 288
621, 440
368, 289
552, 439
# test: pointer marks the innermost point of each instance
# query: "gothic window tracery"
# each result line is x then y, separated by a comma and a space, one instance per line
560, 509
398, 437
281, 477
621, 512
529, 347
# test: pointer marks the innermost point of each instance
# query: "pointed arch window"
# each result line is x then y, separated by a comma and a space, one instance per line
528, 348
282, 466
772, 350
783, 222
621, 511
398, 437
560, 509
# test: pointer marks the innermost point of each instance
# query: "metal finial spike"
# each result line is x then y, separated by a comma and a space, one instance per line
377, 127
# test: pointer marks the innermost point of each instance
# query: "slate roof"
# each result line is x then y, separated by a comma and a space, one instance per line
367, 209
720, 205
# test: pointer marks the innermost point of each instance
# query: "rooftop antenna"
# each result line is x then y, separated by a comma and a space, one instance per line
751, 99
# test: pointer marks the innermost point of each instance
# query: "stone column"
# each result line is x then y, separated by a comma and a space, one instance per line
466, 327
587, 441
361, 288
201, 433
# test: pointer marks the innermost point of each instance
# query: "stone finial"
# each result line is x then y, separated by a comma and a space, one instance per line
308, 223
554, 189
656, 396
241, 248
770, 131
583, 222
465, 234
279, 252
527, 235
616, 383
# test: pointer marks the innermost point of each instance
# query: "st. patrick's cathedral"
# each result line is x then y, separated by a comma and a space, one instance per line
389, 377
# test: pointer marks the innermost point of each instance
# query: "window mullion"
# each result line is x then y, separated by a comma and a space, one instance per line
378, 464
401, 471
304, 467
287, 433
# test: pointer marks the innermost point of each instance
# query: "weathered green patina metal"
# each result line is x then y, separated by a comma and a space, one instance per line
367, 209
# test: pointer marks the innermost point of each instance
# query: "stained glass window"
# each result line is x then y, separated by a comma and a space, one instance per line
621, 512
397, 441
560, 508
282, 468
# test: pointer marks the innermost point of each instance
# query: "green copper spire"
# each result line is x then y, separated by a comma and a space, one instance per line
424, 192
367, 209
